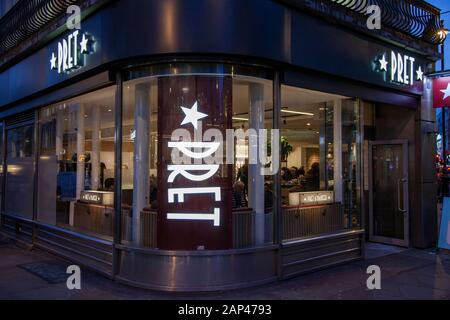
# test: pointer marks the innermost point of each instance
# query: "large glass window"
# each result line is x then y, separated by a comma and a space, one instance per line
320, 165
20, 171
77, 164
1, 164
190, 178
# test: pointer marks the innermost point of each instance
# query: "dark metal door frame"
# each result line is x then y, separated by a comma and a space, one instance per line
403, 192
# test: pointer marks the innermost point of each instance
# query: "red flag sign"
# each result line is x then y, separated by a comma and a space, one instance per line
441, 92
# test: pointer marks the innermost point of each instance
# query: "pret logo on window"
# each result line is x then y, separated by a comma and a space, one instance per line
201, 172
194, 179
71, 52
399, 68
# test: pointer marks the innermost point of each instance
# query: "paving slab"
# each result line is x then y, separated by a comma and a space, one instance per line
406, 274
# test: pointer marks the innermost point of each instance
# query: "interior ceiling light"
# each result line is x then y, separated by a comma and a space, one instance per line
298, 112
239, 119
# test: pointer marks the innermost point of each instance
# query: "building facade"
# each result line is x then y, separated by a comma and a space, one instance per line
145, 144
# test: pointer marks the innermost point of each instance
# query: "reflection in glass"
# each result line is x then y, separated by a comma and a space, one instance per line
76, 164
20, 171
320, 163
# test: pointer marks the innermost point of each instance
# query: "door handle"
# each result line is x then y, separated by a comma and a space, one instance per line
399, 193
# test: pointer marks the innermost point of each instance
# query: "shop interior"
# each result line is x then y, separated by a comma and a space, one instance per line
319, 156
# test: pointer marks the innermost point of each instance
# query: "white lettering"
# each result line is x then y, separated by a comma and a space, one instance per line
183, 170
215, 217
75, 54
405, 69
65, 67
400, 68
411, 78
182, 192
393, 65
69, 52
60, 57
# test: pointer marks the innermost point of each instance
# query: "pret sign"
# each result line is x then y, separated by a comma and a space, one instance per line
98, 197
311, 198
399, 68
71, 52
441, 92
194, 198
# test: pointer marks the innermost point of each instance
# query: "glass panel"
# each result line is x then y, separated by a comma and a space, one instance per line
140, 162
388, 170
253, 196
77, 164
20, 172
2, 143
320, 163
187, 183
351, 162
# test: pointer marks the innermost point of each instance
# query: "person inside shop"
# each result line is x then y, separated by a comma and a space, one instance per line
243, 177
268, 198
109, 184
102, 174
239, 200
153, 190
313, 178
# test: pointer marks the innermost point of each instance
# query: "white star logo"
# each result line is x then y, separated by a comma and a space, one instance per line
192, 115
383, 63
84, 44
53, 62
419, 73
446, 92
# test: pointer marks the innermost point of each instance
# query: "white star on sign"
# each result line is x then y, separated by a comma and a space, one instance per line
84, 44
446, 92
192, 115
419, 73
53, 62
383, 63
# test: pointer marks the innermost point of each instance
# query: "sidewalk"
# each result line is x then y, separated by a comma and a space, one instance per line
406, 274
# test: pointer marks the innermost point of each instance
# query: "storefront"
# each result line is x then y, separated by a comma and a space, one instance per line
145, 145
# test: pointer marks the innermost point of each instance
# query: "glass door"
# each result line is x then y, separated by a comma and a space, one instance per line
389, 192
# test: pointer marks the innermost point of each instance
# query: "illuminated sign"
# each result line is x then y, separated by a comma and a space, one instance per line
311, 198
399, 68
195, 182
97, 197
194, 172
71, 52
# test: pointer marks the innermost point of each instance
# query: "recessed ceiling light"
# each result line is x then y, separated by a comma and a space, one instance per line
308, 124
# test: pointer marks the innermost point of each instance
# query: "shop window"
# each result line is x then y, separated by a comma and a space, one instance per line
1, 163
77, 164
20, 171
188, 182
320, 166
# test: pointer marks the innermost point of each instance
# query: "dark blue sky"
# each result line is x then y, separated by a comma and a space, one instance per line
444, 5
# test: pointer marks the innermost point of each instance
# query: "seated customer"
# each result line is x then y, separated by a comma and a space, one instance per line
268, 198
313, 178
109, 184
239, 200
